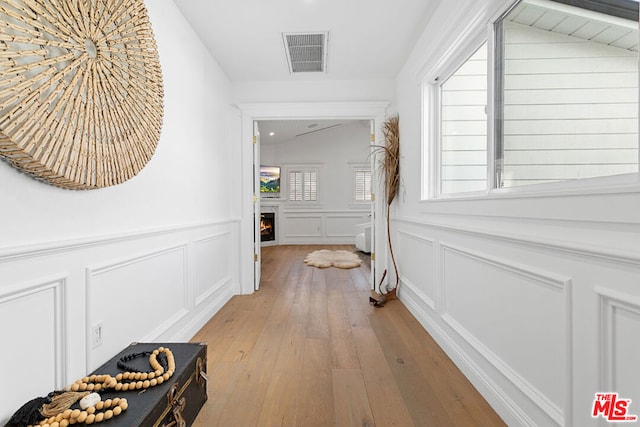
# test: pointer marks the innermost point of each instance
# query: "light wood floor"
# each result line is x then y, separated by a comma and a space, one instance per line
308, 350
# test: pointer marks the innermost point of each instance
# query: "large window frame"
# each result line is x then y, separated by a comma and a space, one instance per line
453, 59
461, 50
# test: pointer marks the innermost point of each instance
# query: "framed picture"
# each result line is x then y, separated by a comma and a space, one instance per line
269, 179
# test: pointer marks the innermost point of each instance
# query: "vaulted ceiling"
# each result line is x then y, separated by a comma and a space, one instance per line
368, 39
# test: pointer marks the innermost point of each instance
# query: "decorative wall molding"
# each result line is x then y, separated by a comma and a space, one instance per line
542, 276
287, 220
353, 212
124, 262
600, 253
104, 289
211, 238
165, 322
406, 286
322, 226
216, 288
348, 217
509, 410
430, 301
155, 334
226, 278
62, 246
56, 284
610, 303
536, 276
404, 282
533, 394
205, 312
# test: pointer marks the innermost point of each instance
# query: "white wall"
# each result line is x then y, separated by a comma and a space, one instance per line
334, 218
300, 89
151, 260
535, 297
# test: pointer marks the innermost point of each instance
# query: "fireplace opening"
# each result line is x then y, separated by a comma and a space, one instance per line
267, 227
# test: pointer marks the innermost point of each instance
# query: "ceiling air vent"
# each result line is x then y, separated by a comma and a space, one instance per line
306, 52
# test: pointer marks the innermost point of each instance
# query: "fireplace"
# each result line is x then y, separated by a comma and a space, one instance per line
267, 226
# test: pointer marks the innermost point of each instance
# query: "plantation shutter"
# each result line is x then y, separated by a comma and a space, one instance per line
362, 185
310, 186
303, 186
295, 186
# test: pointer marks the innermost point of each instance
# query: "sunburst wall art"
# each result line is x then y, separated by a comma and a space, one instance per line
81, 91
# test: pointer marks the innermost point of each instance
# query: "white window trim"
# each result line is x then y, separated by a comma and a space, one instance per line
431, 101
304, 167
599, 186
470, 39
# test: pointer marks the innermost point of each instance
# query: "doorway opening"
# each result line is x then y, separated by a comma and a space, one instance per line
315, 178
250, 200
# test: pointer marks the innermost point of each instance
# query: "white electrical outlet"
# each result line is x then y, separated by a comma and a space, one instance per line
96, 335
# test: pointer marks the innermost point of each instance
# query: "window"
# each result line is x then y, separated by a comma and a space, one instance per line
555, 99
362, 184
463, 135
568, 82
303, 185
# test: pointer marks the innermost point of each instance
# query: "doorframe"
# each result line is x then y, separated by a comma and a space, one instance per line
250, 112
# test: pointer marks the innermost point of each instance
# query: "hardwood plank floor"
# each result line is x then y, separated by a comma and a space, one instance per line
308, 350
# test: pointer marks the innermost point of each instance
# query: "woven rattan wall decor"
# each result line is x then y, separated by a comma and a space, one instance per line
81, 91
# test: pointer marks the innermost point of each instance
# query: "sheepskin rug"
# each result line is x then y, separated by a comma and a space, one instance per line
325, 258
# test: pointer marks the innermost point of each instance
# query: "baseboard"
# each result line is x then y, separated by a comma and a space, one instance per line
226, 292
499, 400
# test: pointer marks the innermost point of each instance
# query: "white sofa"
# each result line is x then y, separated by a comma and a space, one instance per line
363, 237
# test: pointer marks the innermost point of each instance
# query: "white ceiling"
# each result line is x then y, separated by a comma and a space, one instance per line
289, 130
368, 39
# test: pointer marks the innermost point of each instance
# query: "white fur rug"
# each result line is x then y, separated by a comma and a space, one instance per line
325, 258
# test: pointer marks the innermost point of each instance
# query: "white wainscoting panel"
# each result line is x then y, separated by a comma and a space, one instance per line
321, 227
34, 341
342, 225
620, 331
416, 266
135, 299
300, 225
212, 265
513, 301
141, 286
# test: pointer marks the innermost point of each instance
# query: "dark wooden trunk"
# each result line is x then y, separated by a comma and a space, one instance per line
175, 402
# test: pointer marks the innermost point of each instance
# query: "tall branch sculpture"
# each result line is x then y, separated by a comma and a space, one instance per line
390, 168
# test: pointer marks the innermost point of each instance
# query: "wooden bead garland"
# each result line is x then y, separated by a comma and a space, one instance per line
88, 416
130, 380
105, 410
